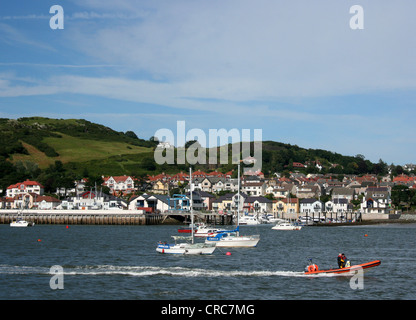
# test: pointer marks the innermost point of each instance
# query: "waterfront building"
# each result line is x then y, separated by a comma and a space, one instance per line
24, 187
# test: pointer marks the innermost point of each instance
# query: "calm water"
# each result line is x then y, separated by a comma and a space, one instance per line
120, 262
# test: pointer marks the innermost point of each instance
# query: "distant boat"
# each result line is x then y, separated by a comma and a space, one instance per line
287, 225
21, 223
248, 220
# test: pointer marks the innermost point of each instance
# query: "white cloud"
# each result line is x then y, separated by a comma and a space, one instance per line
261, 49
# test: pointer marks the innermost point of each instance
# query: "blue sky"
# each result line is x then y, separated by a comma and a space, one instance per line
294, 69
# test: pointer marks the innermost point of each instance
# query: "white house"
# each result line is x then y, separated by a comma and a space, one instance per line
158, 203
338, 205
93, 201
46, 202
254, 188
376, 200
258, 204
23, 188
311, 206
116, 184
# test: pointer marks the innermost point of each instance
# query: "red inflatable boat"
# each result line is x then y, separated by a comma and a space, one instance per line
313, 268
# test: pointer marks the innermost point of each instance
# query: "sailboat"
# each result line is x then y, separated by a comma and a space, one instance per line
188, 247
232, 238
19, 221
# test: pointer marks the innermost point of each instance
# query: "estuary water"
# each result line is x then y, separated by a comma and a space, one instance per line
120, 262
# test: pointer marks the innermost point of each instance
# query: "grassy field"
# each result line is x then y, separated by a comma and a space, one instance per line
74, 149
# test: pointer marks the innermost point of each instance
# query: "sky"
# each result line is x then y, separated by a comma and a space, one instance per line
294, 69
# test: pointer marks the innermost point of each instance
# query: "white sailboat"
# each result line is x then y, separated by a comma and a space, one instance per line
21, 223
188, 247
233, 238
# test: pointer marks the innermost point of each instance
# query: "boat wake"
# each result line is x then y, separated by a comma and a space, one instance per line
146, 271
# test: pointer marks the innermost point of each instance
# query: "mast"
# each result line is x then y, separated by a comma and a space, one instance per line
238, 197
191, 204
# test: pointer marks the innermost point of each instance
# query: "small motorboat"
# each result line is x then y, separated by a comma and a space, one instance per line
286, 225
21, 223
312, 268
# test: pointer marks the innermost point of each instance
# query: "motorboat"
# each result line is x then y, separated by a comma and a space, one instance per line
287, 225
249, 220
306, 221
21, 223
312, 268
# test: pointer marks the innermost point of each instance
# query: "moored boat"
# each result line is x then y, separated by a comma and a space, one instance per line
233, 239
287, 226
21, 223
185, 247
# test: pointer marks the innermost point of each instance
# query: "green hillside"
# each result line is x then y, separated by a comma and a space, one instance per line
35, 147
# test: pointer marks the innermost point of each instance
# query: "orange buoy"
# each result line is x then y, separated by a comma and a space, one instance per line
39, 240
366, 235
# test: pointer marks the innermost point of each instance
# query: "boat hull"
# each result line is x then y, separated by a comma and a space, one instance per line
367, 265
286, 227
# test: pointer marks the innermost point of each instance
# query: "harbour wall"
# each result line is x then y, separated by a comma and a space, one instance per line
81, 217
104, 217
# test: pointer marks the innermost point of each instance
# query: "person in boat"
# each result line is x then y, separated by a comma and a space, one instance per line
342, 259
339, 260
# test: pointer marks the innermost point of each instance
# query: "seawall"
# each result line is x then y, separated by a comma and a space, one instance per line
70, 217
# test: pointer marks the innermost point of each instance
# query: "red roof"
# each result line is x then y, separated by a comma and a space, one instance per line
26, 183
47, 199
404, 178
118, 178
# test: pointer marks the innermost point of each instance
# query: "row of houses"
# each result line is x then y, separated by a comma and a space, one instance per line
375, 200
375, 194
